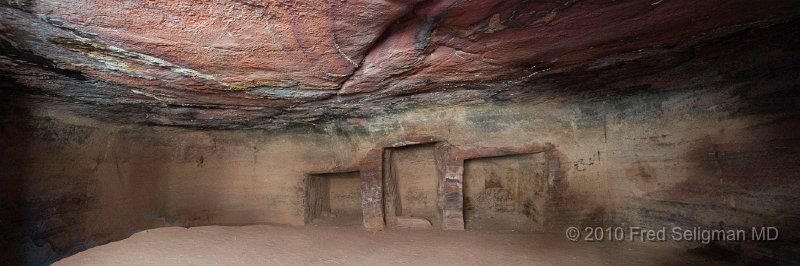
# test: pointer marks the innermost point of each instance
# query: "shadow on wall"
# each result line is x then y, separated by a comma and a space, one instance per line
735, 179
15, 211
65, 188
42, 208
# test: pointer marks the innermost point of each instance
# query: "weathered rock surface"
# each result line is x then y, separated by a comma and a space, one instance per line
250, 64
650, 113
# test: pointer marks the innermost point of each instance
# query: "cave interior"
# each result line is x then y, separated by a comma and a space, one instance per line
384, 132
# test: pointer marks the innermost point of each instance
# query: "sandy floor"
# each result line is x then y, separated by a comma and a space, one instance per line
287, 245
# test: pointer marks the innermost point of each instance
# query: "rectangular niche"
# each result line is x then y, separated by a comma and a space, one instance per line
505, 193
411, 185
333, 199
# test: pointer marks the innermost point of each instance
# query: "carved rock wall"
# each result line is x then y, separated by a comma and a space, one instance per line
713, 156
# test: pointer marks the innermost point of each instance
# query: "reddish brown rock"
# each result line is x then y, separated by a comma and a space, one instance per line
240, 44
279, 65
450, 43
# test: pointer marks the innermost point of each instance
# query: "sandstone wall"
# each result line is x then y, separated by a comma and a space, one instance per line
505, 193
333, 195
65, 188
715, 156
417, 181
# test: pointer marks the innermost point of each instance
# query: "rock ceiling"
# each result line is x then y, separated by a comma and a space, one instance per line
274, 64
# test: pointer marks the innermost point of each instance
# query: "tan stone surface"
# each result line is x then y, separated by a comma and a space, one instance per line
280, 245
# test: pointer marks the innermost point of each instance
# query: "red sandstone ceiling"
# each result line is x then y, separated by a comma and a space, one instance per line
271, 64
